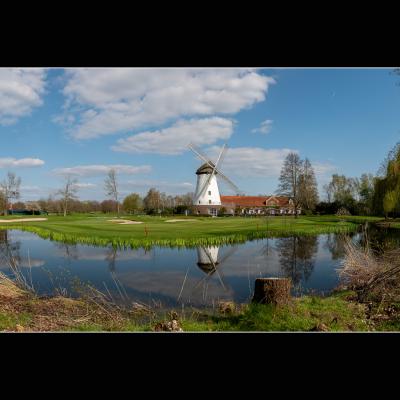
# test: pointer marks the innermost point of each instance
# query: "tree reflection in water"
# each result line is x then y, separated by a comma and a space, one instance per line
335, 243
297, 257
8, 249
69, 251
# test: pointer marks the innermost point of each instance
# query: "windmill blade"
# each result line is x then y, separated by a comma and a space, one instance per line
214, 167
229, 253
199, 154
229, 182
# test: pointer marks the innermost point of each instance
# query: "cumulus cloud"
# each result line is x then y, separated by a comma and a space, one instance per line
83, 185
164, 186
174, 140
9, 162
265, 127
323, 169
98, 170
251, 161
30, 188
108, 101
21, 90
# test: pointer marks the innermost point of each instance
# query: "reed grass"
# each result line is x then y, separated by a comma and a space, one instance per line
118, 240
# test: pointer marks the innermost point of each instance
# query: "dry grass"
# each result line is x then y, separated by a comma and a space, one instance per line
374, 276
23, 311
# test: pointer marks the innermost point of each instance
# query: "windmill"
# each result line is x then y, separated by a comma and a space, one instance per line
208, 262
207, 192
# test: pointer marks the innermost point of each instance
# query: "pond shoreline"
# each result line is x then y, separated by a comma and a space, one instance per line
238, 231
23, 311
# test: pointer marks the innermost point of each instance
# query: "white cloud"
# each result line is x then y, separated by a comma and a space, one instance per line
98, 170
143, 185
265, 127
108, 101
323, 169
174, 139
9, 162
260, 162
85, 185
21, 90
251, 161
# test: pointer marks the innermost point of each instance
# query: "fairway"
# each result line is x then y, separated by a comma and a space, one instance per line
98, 230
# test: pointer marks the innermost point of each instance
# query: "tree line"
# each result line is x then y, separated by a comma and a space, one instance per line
377, 195
65, 200
367, 195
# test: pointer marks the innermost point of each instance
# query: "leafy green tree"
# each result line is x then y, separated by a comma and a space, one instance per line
152, 201
132, 203
386, 198
389, 202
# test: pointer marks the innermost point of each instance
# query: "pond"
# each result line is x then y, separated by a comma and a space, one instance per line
172, 277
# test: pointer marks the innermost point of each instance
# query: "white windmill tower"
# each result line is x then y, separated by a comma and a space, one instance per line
207, 192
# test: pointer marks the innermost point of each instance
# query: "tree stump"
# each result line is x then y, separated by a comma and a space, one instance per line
274, 291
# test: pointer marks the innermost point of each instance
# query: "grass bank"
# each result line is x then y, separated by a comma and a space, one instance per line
21, 311
185, 232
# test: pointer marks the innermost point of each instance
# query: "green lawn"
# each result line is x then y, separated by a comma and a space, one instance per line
96, 229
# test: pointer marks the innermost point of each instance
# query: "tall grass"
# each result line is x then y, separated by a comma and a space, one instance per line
373, 276
18, 277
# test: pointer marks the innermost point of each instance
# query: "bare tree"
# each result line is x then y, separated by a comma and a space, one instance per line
111, 186
329, 192
308, 189
289, 180
68, 193
10, 189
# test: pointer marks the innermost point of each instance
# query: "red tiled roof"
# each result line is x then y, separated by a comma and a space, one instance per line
255, 201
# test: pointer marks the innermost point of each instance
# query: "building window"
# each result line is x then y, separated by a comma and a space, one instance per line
199, 201
209, 201
209, 192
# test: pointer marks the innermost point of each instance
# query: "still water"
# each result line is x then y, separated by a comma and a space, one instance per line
166, 277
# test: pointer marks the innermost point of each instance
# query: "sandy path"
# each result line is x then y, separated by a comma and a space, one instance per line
179, 220
124, 222
22, 220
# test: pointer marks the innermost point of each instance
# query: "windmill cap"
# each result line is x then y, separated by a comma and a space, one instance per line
205, 169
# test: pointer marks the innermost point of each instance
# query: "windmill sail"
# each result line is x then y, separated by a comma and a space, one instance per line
213, 170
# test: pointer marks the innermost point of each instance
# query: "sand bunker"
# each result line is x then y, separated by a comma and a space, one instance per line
180, 220
124, 222
22, 220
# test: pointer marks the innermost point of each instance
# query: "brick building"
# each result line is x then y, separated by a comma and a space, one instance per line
249, 205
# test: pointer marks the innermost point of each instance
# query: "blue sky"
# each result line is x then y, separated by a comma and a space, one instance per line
56, 122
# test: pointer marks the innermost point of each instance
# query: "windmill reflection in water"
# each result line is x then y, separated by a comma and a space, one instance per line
208, 262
